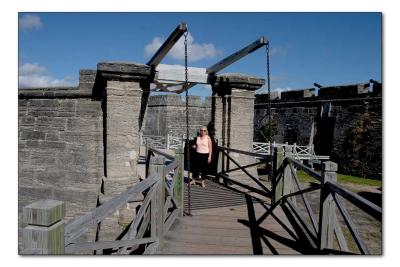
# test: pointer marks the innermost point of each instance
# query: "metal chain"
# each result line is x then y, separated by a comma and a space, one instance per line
186, 86
269, 111
269, 89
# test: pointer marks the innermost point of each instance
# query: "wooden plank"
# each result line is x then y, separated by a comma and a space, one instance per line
360, 202
73, 248
160, 208
176, 74
153, 215
167, 45
167, 205
162, 153
248, 174
133, 227
276, 182
237, 55
339, 235
353, 229
305, 200
243, 152
308, 234
76, 227
245, 166
170, 220
327, 207
151, 249
305, 168
168, 87
140, 233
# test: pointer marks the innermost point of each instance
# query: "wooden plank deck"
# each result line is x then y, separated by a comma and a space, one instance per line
219, 225
218, 231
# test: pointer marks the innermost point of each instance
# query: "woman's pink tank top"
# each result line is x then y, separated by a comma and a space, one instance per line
202, 144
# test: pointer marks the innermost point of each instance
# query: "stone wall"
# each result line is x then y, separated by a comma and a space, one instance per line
346, 122
60, 152
166, 114
80, 145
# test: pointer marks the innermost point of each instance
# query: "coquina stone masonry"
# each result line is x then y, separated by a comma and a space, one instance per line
344, 122
166, 114
122, 84
233, 116
60, 149
80, 144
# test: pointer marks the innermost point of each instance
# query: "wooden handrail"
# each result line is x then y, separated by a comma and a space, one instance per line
360, 202
305, 168
162, 153
244, 152
328, 223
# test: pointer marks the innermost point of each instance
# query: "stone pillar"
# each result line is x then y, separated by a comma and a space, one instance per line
233, 117
123, 86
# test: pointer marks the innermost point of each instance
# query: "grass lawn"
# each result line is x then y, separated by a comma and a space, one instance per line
342, 179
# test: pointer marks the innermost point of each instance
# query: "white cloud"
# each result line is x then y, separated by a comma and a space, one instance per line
31, 69
264, 90
36, 76
30, 22
279, 51
196, 51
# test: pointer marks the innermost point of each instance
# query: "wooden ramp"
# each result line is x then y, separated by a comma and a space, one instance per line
222, 228
213, 196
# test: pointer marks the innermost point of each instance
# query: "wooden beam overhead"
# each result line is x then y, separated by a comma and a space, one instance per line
176, 74
237, 55
167, 45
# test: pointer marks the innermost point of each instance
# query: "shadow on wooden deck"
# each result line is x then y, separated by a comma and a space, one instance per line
260, 234
224, 222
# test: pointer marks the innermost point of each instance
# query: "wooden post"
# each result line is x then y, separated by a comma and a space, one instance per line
167, 142
140, 142
327, 206
157, 208
288, 185
277, 179
45, 231
179, 183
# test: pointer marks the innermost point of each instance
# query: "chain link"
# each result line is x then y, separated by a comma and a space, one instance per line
186, 86
270, 174
269, 89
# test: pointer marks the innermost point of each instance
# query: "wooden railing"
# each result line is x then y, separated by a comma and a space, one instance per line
318, 230
163, 142
322, 233
162, 204
299, 152
227, 164
173, 142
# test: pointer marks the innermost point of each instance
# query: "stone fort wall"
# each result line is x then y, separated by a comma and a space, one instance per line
345, 122
60, 148
166, 114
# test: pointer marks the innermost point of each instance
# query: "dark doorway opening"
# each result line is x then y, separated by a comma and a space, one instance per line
323, 140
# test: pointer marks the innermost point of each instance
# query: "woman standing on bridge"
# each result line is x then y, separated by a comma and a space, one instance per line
202, 157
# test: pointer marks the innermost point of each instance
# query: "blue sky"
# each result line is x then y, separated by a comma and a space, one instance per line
328, 48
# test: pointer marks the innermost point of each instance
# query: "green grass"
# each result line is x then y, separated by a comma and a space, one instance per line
342, 179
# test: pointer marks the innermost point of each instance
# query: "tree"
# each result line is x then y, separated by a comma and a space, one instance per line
268, 130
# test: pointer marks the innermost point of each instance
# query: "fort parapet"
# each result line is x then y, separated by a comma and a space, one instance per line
344, 122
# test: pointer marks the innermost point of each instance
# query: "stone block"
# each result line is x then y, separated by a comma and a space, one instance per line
32, 135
